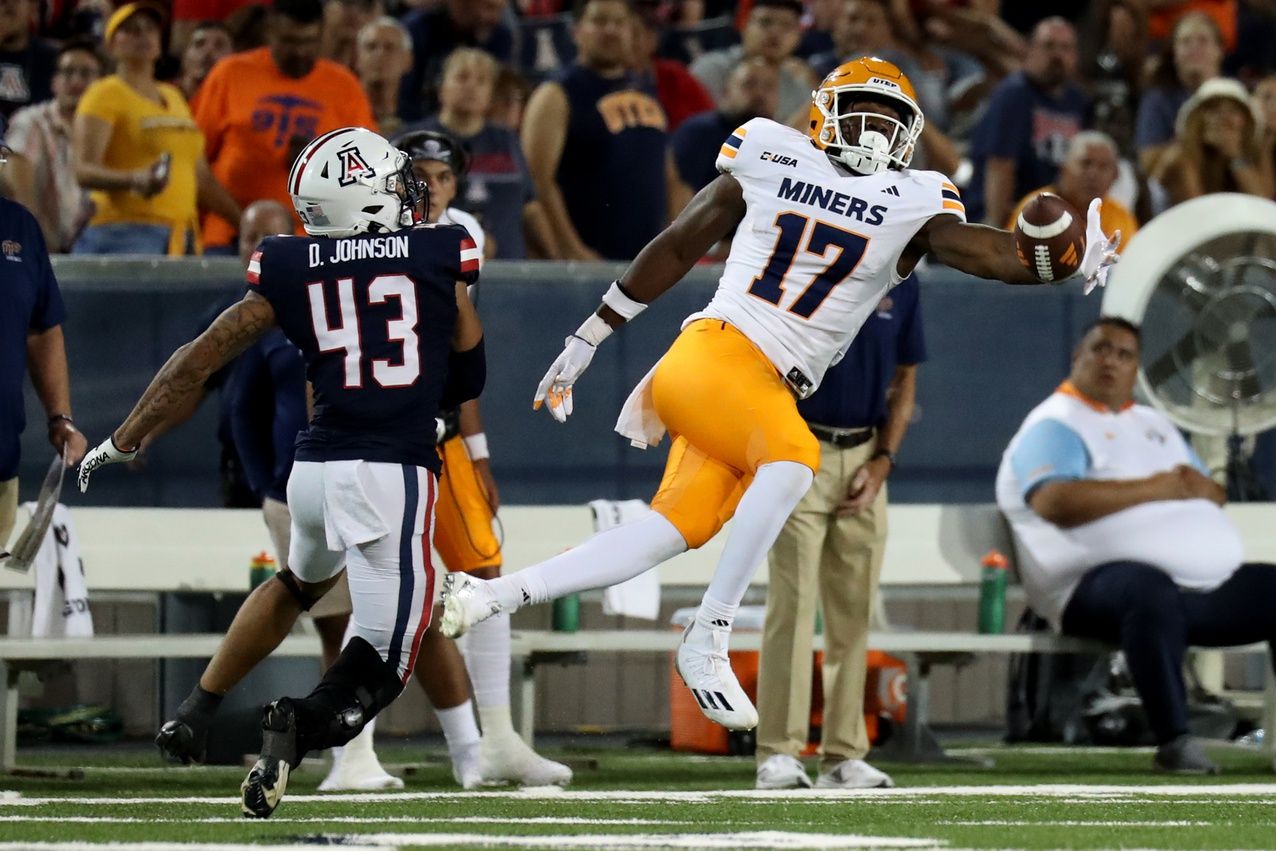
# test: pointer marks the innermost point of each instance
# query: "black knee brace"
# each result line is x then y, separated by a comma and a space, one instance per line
357, 686
290, 581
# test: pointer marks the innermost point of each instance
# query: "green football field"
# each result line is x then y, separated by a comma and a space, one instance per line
638, 798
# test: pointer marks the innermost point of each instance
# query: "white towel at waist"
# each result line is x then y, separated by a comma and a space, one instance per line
61, 604
638, 419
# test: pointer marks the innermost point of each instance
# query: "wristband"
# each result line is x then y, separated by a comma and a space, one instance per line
618, 300
56, 417
476, 445
593, 330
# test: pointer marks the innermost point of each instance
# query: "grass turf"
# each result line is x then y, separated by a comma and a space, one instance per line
1030, 798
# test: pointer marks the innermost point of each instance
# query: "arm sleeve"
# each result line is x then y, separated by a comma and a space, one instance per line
466, 375
1049, 451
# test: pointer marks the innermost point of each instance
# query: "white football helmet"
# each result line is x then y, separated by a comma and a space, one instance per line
353, 181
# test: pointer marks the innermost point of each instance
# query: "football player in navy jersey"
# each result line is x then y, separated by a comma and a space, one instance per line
380, 313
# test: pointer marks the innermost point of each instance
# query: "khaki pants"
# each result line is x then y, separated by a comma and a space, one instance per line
8, 509
821, 557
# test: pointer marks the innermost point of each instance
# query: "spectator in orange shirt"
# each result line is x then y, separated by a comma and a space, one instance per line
259, 108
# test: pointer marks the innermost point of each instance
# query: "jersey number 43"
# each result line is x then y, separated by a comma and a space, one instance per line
346, 335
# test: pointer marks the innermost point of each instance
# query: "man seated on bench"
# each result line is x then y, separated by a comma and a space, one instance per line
1122, 535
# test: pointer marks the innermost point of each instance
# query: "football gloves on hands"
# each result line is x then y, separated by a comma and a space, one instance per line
104, 453
555, 389
1100, 249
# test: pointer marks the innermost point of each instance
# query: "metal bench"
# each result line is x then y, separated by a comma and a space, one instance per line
920, 650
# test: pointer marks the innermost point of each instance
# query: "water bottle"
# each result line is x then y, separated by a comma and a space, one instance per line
992, 593
260, 569
566, 616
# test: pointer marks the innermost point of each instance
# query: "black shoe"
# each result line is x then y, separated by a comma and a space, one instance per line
263, 788
184, 740
1183, 756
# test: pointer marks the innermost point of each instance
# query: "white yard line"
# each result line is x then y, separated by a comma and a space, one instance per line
1076, 792
171, 846
1073, 823
770, 839
561, 821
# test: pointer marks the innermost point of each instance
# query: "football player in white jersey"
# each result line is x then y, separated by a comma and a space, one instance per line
825, 224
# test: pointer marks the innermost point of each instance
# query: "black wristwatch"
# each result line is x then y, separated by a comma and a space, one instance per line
884, 453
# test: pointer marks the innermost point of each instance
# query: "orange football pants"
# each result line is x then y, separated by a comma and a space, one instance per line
728, 412
462, 515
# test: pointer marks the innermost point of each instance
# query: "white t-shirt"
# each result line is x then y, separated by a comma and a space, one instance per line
1067, 437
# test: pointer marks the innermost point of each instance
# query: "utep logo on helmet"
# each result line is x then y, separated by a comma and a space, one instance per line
878, 81
353, 166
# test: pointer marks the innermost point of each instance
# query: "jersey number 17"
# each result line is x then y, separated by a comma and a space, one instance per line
850, 250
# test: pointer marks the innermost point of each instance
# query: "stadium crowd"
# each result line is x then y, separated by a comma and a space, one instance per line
148, 127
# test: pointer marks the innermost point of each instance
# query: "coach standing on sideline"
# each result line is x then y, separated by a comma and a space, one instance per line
830, 553
30, 336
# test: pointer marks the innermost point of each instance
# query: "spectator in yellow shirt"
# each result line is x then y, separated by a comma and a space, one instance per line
1088, 173
138, 150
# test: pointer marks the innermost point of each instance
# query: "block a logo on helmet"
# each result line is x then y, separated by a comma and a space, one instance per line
352, 165
352, 181
844, 125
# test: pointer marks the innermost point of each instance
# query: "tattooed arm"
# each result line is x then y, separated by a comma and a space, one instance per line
238, 327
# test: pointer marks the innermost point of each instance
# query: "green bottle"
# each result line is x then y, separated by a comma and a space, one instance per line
260, 569
566, 617
992, 593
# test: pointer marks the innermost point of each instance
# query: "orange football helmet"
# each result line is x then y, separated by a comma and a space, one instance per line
866, 79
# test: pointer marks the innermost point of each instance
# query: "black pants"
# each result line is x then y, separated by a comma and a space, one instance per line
1139, 607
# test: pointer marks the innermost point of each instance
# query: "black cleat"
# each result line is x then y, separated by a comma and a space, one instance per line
183, 740
263, 788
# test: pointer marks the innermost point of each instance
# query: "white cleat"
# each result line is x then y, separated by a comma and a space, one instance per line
467, 766
705, 669
781, 771
854, 774
466, 601
509, 759
358, 771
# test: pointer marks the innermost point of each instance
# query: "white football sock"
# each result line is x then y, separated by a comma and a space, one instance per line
496, 721
361, 743
605, 559
487, 659
459, 727
776, 490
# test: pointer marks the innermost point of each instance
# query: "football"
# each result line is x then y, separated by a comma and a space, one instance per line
1050, 237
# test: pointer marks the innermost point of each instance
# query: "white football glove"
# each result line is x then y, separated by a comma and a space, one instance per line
555, 389
1100, 249
105, 453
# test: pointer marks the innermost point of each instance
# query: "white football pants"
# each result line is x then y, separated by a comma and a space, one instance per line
377, 519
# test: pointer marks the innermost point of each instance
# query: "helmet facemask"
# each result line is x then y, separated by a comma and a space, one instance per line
881, 141
401, 185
